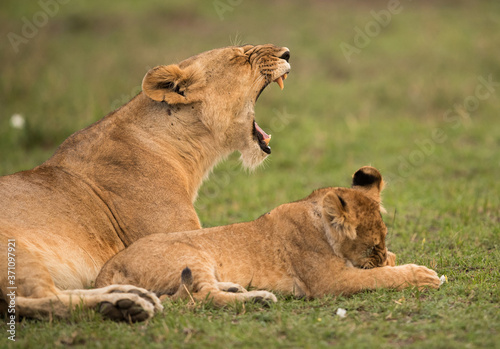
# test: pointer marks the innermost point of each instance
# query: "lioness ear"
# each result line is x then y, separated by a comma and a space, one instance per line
369, 180
337, 213
172, 84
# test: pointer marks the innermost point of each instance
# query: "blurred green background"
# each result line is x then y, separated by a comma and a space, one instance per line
410, 87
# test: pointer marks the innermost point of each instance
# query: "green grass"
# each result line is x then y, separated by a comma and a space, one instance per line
400, 105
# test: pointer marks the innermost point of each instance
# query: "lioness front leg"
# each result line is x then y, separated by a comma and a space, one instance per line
116, 302
120, 302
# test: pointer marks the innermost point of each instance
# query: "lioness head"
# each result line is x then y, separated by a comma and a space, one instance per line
354, 224
220, 88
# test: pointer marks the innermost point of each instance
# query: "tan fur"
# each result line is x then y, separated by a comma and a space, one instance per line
134, 173
332, 242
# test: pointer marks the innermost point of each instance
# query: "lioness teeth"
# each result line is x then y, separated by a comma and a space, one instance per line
263, 138
267, 140
285, 76
279, 81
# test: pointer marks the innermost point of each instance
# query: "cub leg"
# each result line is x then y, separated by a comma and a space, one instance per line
352, 280
398, 277
322, 276
202, 285
221, 298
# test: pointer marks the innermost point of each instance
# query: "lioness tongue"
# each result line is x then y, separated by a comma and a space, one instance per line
265, 137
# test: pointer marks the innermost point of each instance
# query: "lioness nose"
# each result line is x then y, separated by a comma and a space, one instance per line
285, 56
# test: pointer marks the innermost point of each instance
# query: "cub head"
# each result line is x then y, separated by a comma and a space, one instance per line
220, 87
353, 220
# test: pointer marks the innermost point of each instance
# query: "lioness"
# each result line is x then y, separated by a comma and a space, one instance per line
332, 242
135, 172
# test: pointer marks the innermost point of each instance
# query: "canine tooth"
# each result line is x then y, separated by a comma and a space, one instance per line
285, 76
279, 81
267, 140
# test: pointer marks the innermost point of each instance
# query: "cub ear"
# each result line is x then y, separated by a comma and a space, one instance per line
369, 180
337, 214
172, 84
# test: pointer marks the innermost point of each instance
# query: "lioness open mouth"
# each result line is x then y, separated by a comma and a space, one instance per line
262, 137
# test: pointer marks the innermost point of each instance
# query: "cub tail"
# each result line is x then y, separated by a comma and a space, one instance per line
185, 289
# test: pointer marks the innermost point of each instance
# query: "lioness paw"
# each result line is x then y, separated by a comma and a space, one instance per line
141, 292
125, 307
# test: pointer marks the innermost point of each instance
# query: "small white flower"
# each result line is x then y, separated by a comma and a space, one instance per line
341, 312
443, 279
17, 121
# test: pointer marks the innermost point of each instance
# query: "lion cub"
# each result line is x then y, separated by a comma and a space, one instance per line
332, 242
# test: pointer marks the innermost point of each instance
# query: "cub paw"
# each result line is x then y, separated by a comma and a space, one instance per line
391, 260
263, 297
231, 287
422, 276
